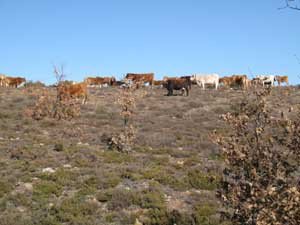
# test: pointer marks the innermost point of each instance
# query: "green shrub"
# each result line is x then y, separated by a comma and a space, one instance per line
107, 180
61, 176
164, 176
116, 157
197, 179
76, 211
202, 215
121, 199
5, 187
43, 190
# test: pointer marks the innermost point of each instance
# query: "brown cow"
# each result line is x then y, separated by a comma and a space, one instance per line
158, 83
226, 81
92, 81
14, 81
235, 80
73, 91
141, 78
110, 81
177, 84
282, 79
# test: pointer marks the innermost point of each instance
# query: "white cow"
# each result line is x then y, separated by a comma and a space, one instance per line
203, 79
266, 79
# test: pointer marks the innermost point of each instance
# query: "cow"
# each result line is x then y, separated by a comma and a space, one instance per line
235, 80
2, 80
14, 81
92, 81
266, 79
158, 83
141, 78
73, 91
177, 84
225, 81
109, 81
201, 80
256, 82
100, 81
188, 78
282, 79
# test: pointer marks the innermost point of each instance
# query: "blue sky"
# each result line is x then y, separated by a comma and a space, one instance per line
168, 37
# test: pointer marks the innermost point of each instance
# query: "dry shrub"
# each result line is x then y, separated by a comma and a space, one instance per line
42, 107
124, 140
260, 183
50, 106
53, 106
127, 101
66, 108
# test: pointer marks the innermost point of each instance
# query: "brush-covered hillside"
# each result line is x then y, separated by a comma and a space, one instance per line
62, 172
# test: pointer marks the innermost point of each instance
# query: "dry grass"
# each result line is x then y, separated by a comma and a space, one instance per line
169, 177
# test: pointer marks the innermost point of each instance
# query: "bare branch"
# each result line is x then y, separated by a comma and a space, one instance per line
59, 73
297, 58
291, 4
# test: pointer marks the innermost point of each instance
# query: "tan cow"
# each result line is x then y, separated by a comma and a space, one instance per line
2, 80
282, 79
100, 81
14, 81
73, 91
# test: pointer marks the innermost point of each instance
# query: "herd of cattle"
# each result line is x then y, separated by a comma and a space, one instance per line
183, 83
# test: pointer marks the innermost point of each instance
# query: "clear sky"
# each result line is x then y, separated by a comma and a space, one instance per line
167, 37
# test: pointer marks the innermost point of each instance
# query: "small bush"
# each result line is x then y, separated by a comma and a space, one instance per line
45, 189
199, 180
202, 214
121, 199
5, 188
76, 211
105, 181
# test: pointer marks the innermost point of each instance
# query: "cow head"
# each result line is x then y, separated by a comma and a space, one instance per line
193, 77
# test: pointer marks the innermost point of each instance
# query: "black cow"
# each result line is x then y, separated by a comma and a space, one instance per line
177, 84
188, 78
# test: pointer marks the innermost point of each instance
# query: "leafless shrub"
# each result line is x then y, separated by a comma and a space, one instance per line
123, 141
262, 155
127, 101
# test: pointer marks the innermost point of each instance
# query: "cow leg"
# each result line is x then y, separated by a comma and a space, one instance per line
84, 99
169, 92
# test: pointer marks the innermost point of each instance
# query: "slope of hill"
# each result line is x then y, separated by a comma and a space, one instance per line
61, 172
